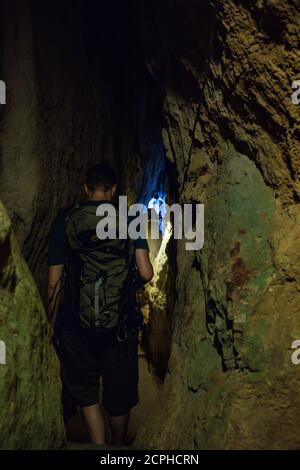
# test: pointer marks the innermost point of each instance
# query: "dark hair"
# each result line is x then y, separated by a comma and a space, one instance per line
101, 177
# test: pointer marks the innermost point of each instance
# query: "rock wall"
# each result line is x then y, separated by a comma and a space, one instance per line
30, 411
231, 383
52, 127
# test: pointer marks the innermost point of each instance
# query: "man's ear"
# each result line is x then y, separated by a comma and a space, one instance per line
113, 190
86, 189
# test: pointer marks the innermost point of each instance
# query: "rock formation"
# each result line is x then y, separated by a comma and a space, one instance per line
30, 412
222, 319
231, 382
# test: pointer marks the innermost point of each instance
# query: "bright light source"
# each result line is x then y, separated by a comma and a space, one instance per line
159, 205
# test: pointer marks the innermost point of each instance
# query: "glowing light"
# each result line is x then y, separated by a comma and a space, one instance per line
159, 205
161, 258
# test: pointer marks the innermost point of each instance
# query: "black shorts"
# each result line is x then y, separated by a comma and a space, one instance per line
87, 354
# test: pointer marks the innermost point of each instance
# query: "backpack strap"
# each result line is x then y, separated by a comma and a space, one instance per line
74, 209
128, 301
126, 294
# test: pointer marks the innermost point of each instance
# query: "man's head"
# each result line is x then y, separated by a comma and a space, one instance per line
100, 183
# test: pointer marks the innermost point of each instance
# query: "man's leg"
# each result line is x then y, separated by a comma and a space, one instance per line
120, 384
108, 433
119, 428
80, 367
95, 423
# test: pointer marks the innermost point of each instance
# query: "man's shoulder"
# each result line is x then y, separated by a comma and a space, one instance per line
61, 216
63, 213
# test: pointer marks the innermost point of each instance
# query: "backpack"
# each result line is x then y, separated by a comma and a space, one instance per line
100, 275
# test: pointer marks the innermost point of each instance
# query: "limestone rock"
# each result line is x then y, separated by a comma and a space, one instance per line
52, 125
231, 382
30, 411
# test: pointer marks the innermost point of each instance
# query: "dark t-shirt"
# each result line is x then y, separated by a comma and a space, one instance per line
57, 239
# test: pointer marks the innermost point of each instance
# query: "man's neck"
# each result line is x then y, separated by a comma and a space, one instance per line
99, 196
98, 199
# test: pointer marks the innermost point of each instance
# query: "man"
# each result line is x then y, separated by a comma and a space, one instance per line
88, 342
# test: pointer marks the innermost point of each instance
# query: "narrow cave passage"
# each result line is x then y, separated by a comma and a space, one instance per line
193, 102
111, 41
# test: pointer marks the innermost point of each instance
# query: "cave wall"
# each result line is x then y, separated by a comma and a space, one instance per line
53, 125
30, 409
230, 382
52, 128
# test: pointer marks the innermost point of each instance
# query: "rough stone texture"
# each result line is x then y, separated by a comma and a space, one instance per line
51, 130
231, 382
52, 125
30, 411
159, 295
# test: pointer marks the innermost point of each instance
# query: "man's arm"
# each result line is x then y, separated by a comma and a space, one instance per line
54, 291
143, 264
56, 257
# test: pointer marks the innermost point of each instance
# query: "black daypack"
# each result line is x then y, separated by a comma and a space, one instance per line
100, 275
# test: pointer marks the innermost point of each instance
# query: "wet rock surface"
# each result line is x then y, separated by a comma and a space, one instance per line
223, 318
231, 382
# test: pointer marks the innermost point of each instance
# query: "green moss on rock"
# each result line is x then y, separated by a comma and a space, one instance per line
30, 408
